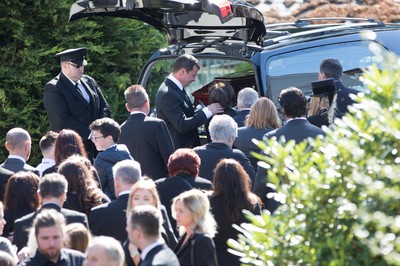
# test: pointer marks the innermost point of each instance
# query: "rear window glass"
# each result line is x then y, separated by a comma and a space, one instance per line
299, 68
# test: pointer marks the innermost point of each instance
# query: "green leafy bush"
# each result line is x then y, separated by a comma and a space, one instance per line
341, 194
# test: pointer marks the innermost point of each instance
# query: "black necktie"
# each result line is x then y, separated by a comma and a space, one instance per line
77, 88
186, 97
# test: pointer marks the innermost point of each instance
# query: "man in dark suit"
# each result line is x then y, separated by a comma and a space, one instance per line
73, 100
174, 106
223, 131
331, 68
52, 193
147, 138
294, 108
18, 144
109, 219
246, 98
144, 231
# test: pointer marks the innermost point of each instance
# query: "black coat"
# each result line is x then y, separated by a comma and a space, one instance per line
67, 109
23, 224
149, 143
226, 231
211, 153
343, 97
16, 165
241, 117
109, 219
297, 130
244, 141
201, 247
178, 113
4, 176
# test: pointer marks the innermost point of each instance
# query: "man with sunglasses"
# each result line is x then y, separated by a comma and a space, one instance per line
73, 100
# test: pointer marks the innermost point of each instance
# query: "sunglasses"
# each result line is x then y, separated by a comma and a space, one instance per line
75, 65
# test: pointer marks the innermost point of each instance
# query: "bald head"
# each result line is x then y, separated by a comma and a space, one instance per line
18, 142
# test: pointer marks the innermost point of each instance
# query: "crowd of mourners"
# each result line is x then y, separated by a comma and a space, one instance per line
150, 193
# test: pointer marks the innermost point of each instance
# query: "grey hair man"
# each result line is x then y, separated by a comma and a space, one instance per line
144, 231
109, 219
52, 193
104, 251
246, 98
49, 226
223, 131
18, 145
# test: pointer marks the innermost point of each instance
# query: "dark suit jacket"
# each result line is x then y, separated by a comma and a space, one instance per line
244, 142
4, 176
178, 113
226, 231
343, 96
203, 249
170, 187
110, 219
66, 107
211, 153
297, 130
23, 224
16, 165
160, 255
241, 117
149, 143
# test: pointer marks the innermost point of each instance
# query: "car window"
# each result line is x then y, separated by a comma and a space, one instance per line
299, 68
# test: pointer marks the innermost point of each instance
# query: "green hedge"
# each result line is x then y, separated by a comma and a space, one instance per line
33, 31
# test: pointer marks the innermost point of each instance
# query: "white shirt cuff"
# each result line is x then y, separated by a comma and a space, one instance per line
207, 112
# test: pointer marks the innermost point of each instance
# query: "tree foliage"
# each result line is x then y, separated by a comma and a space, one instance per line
33, 31
341, 194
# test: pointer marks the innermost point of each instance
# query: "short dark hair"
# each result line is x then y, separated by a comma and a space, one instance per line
147, 219
293, 101
48, 140
221, 93
184, 160
185, 61
107, 127
135, 96
53, 185
48, 218
331, 68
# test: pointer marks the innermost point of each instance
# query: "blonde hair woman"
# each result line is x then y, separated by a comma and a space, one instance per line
191, 210
263, 118
144, 192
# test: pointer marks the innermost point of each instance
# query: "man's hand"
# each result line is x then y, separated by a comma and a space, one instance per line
215, 108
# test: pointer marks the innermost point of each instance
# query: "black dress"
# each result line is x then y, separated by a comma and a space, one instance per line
199, 250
